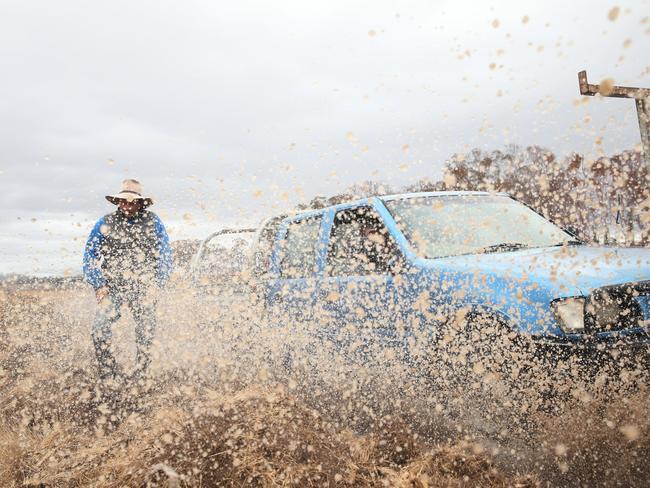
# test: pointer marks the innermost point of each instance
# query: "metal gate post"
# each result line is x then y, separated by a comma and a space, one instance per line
643, 113
640, 95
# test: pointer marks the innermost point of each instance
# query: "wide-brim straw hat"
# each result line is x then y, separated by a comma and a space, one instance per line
131, 191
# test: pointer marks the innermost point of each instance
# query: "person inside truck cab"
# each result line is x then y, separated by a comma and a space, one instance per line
375, 245
360, 244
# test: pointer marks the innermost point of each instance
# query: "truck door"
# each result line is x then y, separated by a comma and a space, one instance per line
357, 296
296, 262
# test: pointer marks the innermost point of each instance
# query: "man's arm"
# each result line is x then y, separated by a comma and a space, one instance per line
91, 265
165, 257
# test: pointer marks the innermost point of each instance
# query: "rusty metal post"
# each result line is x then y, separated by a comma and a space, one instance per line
640, 95
584, 84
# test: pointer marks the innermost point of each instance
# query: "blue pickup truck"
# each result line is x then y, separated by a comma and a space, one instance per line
415, 272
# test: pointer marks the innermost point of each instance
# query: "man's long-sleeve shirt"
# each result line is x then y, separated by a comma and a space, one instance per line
106, 242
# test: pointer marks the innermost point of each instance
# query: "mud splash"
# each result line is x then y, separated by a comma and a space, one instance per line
217, 413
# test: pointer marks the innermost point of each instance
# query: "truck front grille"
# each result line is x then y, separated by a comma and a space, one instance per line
618, 307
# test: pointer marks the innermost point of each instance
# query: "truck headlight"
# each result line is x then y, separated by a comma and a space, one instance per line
570, 314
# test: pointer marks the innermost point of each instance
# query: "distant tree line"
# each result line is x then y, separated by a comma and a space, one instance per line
595, 198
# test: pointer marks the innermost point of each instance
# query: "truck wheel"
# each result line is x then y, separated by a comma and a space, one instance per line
473, 345
479, 367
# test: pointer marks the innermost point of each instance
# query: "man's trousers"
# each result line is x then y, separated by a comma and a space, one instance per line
143, 310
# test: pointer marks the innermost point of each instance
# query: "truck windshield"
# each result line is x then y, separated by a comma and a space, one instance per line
441, 226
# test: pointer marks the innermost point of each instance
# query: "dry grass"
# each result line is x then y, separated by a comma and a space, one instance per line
254, 438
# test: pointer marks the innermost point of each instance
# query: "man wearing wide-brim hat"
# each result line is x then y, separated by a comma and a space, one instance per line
127, 259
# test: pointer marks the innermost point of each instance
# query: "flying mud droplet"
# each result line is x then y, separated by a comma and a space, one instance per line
613, 13
263, 374
496, 23
449, 179
631, 432
525, 19
478, 368
606, 87
560, 450
372, 33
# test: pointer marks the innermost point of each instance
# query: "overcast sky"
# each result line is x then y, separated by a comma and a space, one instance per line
231, 111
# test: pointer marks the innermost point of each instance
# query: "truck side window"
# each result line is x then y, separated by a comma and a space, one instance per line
360, 244
263, 247
298, 258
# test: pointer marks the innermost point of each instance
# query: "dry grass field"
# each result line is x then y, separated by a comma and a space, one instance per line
214, 414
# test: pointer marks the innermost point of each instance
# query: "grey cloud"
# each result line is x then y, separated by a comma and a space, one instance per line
208, 102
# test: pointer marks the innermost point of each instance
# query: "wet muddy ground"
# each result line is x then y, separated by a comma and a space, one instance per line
220, 410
